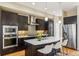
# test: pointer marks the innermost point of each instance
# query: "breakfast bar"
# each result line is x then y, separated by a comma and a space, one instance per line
34, 44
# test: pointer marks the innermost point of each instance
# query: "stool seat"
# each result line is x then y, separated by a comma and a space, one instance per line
47, 49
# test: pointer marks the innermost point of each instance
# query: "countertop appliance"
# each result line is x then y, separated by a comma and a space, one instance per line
10, 36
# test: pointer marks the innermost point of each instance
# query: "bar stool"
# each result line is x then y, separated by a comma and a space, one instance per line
64, 43
57, 47
47, 50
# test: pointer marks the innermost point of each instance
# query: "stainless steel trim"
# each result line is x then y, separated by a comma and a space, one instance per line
9, 37
4, 33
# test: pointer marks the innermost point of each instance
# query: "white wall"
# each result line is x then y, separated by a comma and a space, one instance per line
58, 28
58, 16
71, 12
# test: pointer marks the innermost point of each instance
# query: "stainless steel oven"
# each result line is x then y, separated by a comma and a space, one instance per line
10, 36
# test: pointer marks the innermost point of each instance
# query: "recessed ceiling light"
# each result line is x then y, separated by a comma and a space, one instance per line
33, 3
45, 8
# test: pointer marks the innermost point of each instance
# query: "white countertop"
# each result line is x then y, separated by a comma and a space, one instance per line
45, 41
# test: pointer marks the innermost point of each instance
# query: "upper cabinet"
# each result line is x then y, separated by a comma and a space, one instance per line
22, 22
43, 25
8, 18
11, 18
70, 20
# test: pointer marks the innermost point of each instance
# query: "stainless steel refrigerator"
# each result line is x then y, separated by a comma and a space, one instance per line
70, 29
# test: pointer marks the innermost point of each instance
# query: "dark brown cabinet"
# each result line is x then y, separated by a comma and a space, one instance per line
21, 41
43, 25
22, 22
11, 18
8, 18
70, 20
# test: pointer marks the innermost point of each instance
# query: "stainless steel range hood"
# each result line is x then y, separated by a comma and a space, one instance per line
32, 21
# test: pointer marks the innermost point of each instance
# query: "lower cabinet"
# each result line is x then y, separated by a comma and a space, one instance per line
21, 42
17, 51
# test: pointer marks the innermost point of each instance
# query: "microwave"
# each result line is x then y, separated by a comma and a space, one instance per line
9, 29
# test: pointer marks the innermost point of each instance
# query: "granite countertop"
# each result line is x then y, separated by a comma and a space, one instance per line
45, 41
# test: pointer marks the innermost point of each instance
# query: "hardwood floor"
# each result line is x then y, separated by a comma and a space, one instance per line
70, 52
19, 53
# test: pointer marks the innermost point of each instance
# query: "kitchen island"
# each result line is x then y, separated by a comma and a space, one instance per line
34, 44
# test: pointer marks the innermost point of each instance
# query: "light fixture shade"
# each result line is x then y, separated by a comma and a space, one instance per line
59, 22
45, 8
46, 18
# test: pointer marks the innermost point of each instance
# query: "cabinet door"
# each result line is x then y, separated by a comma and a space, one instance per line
21, 42
8, 18
46, 25
43, 25
22, 22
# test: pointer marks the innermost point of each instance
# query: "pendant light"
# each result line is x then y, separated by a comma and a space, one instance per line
46, 18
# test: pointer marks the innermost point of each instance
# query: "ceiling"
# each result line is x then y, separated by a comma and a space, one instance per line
50, 7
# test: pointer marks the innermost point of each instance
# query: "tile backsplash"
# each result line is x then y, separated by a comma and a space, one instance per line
26, 33
22, 33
